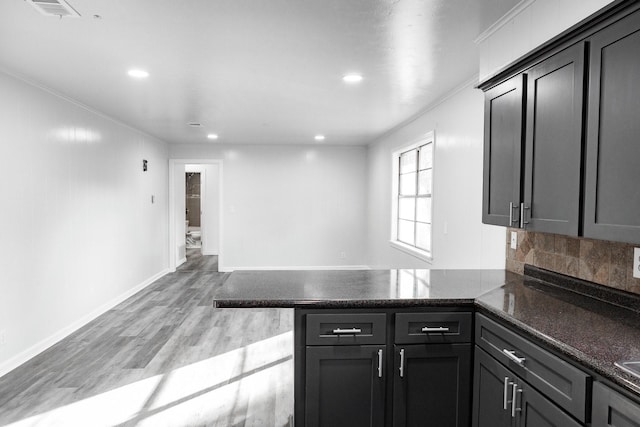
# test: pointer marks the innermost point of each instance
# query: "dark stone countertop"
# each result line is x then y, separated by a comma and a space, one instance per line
585, 329
357, 288
568, 315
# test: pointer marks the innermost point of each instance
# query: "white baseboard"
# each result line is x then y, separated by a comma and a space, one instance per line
297, 267
20, 358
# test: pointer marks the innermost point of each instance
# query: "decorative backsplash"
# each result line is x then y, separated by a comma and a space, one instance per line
599, 261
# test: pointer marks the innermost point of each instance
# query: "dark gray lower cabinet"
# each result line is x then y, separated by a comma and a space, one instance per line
502, 399
491, 397
345, 386
383, 367
611, 409
432, 385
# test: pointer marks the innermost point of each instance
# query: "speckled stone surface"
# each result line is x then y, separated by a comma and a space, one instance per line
357, 288
584, 329
571, 317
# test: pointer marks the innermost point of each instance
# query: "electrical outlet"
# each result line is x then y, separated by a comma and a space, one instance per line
3, 338
636, 263
343, 255
514, 240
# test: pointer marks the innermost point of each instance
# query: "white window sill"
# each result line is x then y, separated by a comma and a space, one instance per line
423, 255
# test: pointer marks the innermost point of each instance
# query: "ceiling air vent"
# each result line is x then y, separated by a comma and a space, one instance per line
58, 8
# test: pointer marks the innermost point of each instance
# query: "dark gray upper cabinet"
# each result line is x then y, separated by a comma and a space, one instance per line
503, 139
612, 194
552, 174
580, 96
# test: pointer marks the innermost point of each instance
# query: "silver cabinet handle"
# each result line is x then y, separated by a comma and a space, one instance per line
514, 400
505, 396
511, 208
523, 222
402, 363
427, 329
339, 331
511, 354
380, 363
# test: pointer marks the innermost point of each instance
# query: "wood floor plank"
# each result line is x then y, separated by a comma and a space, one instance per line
162, 357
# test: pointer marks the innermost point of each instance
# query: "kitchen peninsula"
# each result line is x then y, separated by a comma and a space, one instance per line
388, 347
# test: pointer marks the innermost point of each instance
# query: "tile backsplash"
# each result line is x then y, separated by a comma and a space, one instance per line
599, 261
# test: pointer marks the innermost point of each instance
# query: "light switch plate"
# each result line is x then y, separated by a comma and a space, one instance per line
636, 263
514, 240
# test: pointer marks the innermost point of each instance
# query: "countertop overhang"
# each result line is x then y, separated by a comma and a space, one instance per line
357, 288
590, 324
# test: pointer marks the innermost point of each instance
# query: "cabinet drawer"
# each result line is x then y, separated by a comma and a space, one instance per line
560, 381
346, 329
433, 327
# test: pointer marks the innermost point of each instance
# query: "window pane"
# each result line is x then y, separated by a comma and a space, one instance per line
407, 208
408, 161
423, 209
423, 236
406, 231
408, 184
426, 156
425, 182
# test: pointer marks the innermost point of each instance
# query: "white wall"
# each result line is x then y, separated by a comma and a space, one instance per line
460, 240
528, 26
79, 231
179, 210
289, 206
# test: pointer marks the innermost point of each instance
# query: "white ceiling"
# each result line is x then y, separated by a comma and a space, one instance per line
252, 71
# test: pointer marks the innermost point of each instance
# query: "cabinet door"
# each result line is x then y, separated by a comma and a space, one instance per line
554, 143
432, 385
535, 410
612, 195
492, 384
503, 136
345, 386
611, 409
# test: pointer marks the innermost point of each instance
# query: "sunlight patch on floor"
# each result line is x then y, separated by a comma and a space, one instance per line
232, 386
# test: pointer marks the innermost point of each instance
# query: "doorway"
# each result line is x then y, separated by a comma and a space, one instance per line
193, 210
195, 214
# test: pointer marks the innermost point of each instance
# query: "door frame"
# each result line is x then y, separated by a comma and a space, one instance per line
173, 250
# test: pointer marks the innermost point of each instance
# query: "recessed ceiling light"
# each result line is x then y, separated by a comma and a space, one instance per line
319, 137
352, 78
212, 136
138, 74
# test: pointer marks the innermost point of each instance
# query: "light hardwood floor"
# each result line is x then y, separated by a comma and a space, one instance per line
164, 357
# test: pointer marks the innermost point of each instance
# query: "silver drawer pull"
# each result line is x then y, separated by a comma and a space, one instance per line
427, 329
505, 393
353, 331
514, 400
511, 354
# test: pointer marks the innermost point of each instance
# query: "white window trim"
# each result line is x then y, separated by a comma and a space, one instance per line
394, 242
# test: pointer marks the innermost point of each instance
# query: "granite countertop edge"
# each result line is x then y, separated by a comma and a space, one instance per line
343, 303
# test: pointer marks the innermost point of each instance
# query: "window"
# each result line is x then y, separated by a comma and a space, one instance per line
412, 202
